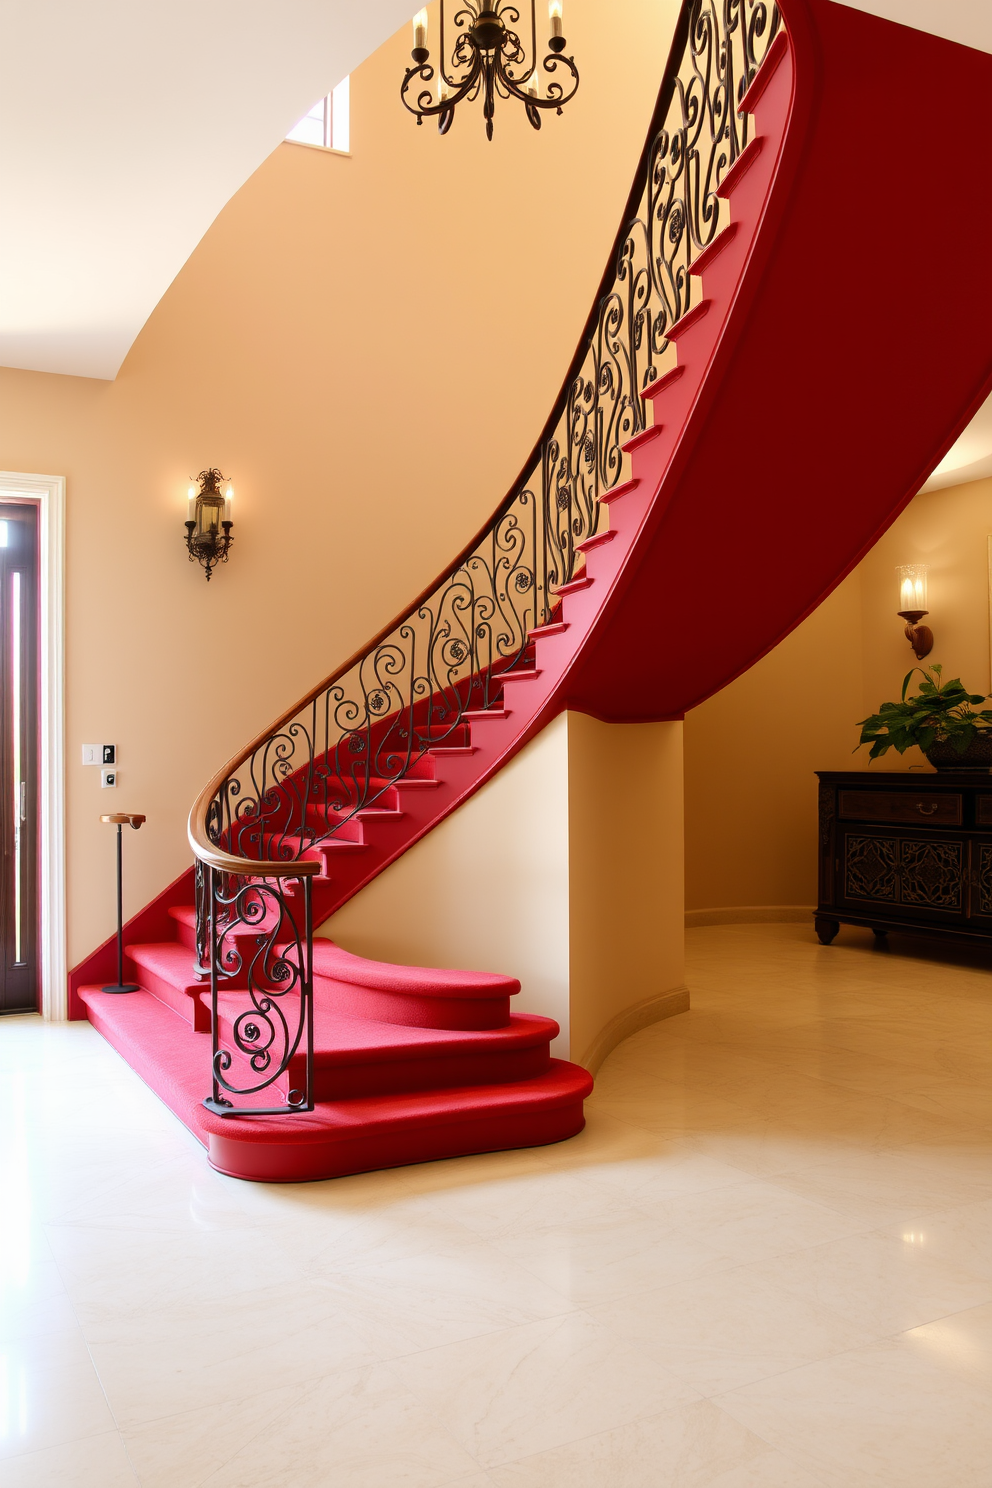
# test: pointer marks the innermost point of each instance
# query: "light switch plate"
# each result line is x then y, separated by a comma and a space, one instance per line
99, 754
108, 779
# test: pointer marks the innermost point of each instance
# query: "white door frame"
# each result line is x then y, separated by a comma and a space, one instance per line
47, 492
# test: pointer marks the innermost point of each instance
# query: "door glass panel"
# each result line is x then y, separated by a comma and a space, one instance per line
18, 757
18, 803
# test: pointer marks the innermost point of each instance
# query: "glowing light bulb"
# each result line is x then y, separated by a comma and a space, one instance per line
229, 504
912, 586
191, 504
554, 15
420, 28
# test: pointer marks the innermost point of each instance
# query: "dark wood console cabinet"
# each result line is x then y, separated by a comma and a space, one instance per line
906, 851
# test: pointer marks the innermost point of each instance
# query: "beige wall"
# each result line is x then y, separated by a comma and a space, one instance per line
626, 877
750, 751
488, 889
369, 346
565, 871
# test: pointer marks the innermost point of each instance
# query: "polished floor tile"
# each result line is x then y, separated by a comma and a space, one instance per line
765, 1263
884, 1414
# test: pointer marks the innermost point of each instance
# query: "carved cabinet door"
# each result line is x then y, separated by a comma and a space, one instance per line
980, 880
904, 872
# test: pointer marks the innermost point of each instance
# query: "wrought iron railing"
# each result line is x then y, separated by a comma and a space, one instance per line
336, 754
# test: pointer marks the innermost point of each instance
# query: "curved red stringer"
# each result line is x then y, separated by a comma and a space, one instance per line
811, 400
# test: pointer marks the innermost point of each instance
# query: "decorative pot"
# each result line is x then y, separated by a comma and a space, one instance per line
978, 755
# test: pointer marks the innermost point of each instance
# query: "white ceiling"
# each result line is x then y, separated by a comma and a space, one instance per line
125, 126
966, 21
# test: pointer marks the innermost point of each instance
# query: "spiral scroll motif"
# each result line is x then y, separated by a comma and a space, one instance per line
409, 693
259, 958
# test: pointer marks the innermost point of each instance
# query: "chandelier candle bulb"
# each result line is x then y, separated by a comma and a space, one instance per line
191, 504
420, 31
229, 504
554, 15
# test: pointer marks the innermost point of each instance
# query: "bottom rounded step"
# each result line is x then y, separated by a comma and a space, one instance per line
338, 1138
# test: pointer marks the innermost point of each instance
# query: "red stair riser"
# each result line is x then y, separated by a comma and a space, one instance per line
272, 1162
337, 1082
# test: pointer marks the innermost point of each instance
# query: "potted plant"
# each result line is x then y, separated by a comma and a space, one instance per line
940, 718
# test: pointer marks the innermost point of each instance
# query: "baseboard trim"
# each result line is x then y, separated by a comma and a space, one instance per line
750, 914
632, 1020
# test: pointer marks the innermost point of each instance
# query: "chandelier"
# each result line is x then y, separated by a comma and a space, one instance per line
482, 54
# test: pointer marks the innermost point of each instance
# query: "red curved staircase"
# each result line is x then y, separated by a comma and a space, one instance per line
409, 1064
788, 430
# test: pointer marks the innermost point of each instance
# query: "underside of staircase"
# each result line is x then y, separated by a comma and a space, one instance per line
820, 374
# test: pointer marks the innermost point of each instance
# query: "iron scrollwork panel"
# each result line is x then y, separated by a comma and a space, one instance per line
261, 994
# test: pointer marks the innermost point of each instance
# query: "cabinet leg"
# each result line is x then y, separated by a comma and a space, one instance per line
825, 928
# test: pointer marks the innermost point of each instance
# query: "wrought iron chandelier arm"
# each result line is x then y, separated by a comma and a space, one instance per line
424, 107
556, 96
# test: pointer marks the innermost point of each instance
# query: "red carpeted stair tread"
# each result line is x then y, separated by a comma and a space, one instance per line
167, 970
169, 959
342, 1040
331, 960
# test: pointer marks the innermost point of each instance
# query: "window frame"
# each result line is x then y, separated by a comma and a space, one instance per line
330, 132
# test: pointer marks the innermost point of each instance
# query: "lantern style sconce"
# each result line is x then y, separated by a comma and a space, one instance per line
209, 520
913, 606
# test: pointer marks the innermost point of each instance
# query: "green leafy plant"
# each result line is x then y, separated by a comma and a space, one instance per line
941, 712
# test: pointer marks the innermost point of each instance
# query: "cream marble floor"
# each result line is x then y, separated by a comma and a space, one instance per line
765, 1264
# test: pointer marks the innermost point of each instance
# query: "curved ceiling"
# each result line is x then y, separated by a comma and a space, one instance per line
126, 125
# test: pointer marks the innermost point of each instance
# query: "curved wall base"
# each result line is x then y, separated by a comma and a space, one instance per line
631, 1021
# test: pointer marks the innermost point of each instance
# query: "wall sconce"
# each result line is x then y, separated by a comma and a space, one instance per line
209, 521
913, 606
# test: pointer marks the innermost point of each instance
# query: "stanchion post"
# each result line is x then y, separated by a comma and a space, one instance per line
118, 818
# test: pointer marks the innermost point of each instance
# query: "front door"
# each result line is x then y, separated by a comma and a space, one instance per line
18, 757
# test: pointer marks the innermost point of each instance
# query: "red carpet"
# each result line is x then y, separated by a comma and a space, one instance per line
410, 1064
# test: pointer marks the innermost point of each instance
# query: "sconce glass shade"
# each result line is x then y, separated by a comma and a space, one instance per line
912, 588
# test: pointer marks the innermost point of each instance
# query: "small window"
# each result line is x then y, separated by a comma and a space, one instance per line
328, 124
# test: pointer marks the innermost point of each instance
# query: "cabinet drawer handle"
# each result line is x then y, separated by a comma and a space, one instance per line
926, 810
